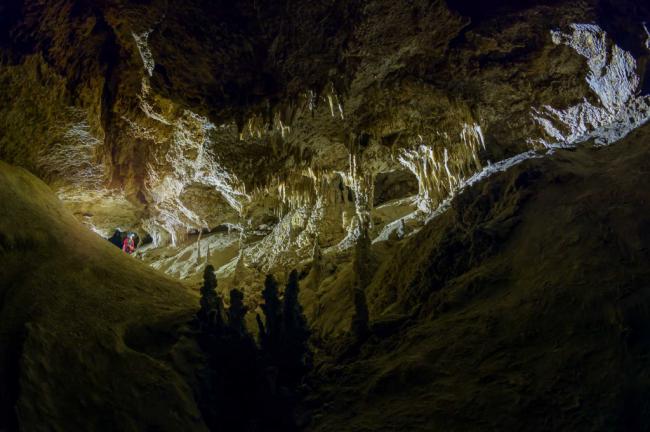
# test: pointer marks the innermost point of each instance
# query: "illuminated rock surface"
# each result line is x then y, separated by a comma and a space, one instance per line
472, 174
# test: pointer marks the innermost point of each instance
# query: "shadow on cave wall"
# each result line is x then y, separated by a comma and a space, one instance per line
614, 17
9, 374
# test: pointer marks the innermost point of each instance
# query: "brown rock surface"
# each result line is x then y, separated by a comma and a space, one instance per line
444, 161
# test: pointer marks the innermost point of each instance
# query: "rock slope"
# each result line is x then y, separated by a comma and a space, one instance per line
522, 307
86, 332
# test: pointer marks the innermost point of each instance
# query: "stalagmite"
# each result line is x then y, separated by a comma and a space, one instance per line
362, 277
331, 104
240, 269
317, 262
198, 248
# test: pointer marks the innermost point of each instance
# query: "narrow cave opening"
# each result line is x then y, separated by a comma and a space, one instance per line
128, 241
393, 185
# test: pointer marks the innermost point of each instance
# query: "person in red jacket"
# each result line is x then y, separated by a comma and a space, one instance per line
129, 245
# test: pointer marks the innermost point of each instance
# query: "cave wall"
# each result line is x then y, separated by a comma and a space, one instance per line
171, 118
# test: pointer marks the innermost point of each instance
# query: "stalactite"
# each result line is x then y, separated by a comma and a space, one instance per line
441, 167
362, 184
302, 200
141, 41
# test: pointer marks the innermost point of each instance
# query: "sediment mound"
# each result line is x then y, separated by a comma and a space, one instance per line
87, 333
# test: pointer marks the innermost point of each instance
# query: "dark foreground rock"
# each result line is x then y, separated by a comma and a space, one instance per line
527, 307
87, 333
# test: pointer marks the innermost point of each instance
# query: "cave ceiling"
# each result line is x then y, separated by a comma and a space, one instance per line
168, 116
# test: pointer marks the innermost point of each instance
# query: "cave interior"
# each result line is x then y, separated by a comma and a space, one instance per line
324, 215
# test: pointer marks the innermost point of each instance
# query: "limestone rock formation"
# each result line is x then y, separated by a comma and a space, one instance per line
457, 185
172, 118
